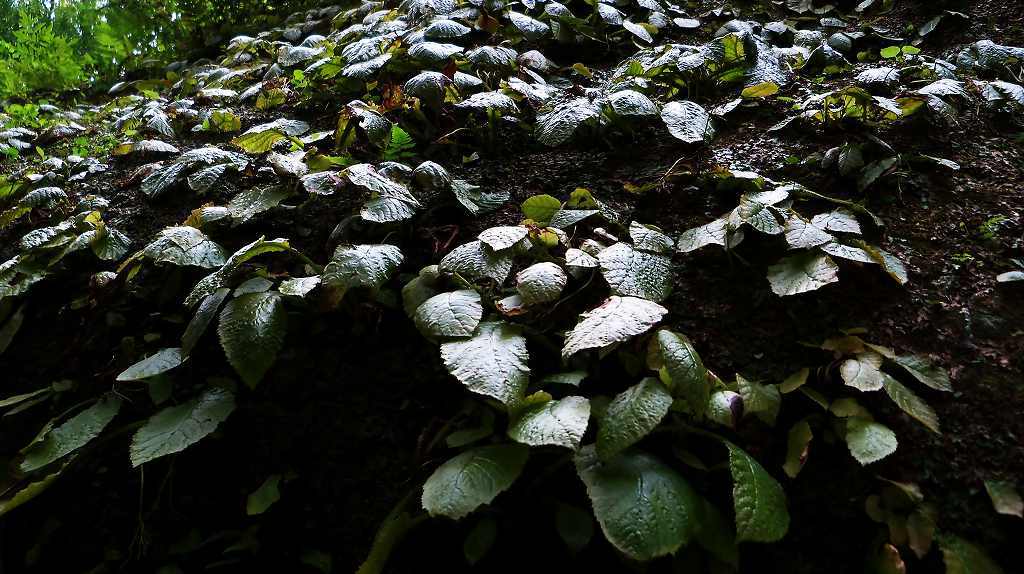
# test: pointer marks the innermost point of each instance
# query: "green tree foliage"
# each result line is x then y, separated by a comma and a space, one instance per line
56, 45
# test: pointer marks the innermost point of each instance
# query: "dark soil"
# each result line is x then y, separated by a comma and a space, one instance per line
348, 415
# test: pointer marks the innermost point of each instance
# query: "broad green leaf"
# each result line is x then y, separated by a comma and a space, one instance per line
541, 208
252, 330
499, 238
687, 121
650, 238
911, 404
1005, 498
71, 435
541, 283
863, 371
614, 321
925, 372
634, 273
12, 500
264, 497
802, 234
645, 508
557, 124
675, 353
761, 400
631, 415
802, 273
798, 444
475, 260
367, 266
868, 440
176, 428
205, 313
473, 478
219, 278
160, 362
962, 557
299, 286
253, 201
762, 90
717, 232
493, 362
760, 503
185, 246
453, 314
560, 422
419, 289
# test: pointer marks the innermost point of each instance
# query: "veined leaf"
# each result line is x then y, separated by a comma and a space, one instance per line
615, 321
473, 478
868, 440
645, 508
252, 330
71, 435
493, 362
160, 362
631, 415
454, 314
176, 428
761, 514
557, 422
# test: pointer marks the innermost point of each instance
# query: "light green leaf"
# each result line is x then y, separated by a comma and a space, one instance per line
185, 246
72, 435
473, 478
561, 423
503, 237
863, 371
759, 501
493, 362
615, 321
762, 90
252, 330
367, 266
645, 508
541, 283
688, 122
636, 273
176, 428
802, 273
475, 260
762, 400
541, 208
12, 500
263, 497
453, 314
160, 362
631, 415
868, 440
